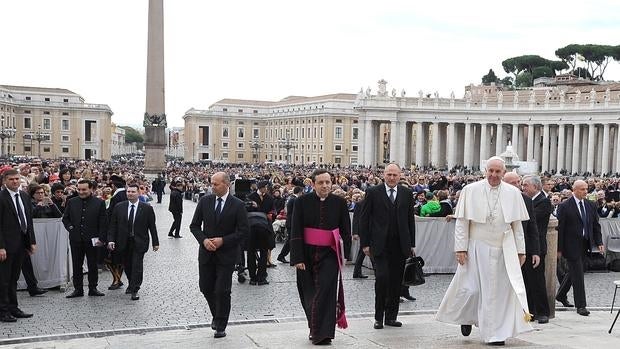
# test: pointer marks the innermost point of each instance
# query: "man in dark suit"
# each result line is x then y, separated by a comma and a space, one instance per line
175, 206
158, 187
115, 260
86, 221
130, 225
290, 204
387, 230
220, 224
535, 276
578, 232
16, 239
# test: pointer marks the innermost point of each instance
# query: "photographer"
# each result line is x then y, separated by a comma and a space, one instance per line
42, 205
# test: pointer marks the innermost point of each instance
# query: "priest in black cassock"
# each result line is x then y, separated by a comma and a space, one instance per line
320, 222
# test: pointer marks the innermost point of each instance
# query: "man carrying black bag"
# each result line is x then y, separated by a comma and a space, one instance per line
260, 241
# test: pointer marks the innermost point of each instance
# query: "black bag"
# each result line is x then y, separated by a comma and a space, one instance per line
595, 262
413, 275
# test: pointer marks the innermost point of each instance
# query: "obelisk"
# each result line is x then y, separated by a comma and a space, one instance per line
155, 114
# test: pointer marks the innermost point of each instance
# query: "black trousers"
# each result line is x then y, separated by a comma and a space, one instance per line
9, 274
389, 268
286, 248
535, 286
215, 281
574, 278
79, 250
257, 271
28, 271
133, 262
159, 195
359, 260
176, 225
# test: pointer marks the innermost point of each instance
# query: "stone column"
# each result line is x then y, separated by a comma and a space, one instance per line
599, 150
361, 143
401, 143
522, 151
545, 150
530, 142
435, 144
451, 146
467, 148
553, 149
591, 144
537, 148
551, 262
561, 145
370, 145
484, 147
499, 140
393, 142
515, 138
575, 149
617, 169
419, 145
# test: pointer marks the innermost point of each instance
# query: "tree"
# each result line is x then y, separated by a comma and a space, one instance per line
527, 63
543, 71
524, 80
595, 58
132, 135
490, 77
582, 73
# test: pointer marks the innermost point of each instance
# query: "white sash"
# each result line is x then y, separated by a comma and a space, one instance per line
513, 268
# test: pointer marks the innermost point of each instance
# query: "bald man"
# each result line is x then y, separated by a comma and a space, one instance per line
220, 224
579, 232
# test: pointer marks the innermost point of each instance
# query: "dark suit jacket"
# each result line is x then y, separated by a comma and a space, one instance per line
374, 219
357, 213
570, 228
542, 210
116, 199
232, 226
144, 222
290, 204
95, 219
11, 237
176, 201
530, 229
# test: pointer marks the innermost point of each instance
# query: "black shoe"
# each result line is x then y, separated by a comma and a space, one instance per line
114, 286
170, 235
465, 330
498, 343
253, 282
271, 265
283, 260
326, 341
564, 302
76, 293
7, 317
378, 325
393, 323
241, 278
542, 319
178, 237
263, 282
583, 311
128, 290
95, 292
36, 292
134, 296
409, 297
219, 334
19, 314
360, 276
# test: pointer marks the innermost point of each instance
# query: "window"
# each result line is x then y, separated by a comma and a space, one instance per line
241, 123
225, 122
354, 148
47, 138
302, 133
255, 111
240, 145
27, 123
355, 133
240, 110
65, 149
46, 149
27, 148
255, 133
65, 125
224, 109
240, 156
224, 155
337, 160
65, 138
321, 131
27, 112
28, 98
320, 147
224, 144
47, 124
240, 132
47, 99
65, 100
338, 133
225, 132
339, 121
338, 147
64, 113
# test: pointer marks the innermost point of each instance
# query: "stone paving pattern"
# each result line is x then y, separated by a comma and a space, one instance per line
170, 294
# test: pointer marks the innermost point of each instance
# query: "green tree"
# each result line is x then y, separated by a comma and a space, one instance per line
524, 79
132, 135
527, 63
595, 58
543, 71
490, 77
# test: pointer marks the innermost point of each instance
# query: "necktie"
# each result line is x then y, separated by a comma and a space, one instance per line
20, 214
218, 208
584, 219
392, 198
131, 215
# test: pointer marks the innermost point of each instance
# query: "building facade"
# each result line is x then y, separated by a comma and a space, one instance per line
119, 145
295, 130
53, 123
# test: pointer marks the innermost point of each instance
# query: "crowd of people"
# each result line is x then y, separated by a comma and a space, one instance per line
382, 202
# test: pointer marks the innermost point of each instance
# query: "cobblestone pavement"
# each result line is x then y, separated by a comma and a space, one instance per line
170, 295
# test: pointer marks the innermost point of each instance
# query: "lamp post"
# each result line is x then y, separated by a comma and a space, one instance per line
286, 144
256, 147
38, 137
5, 133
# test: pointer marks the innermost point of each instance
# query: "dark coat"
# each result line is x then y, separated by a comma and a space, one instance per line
261, 232
530, 229
11, 237
542, 210
374, 219
116, 199
290, 204
232, 226
570, 229
176, 201
95, 219
144, 222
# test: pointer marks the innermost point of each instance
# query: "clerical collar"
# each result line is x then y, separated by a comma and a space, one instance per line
489, 186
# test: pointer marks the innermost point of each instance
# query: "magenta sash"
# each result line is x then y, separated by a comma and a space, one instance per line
331, 238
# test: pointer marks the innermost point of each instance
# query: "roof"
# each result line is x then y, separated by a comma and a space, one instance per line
285, 101
38, 89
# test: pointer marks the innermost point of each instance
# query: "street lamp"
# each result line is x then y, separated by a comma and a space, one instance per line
38, 137
286, 144
256, 147
5, 133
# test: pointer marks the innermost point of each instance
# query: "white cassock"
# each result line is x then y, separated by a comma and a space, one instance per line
488, 290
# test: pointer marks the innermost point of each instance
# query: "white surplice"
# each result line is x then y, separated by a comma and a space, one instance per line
488, 290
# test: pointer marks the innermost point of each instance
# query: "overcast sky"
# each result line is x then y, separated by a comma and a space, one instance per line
271, 49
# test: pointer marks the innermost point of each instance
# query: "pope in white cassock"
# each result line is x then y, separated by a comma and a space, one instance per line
488, 290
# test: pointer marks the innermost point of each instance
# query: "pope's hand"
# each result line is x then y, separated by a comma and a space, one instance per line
461, 257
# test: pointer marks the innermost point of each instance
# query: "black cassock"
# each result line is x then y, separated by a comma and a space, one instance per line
318, 284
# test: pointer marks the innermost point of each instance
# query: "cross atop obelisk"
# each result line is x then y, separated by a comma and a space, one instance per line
155, 114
